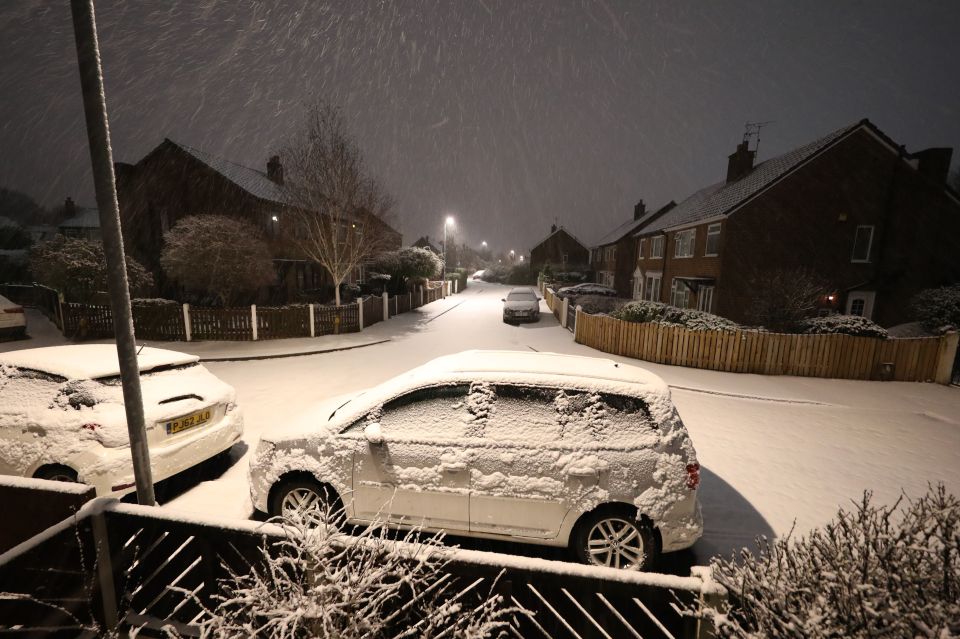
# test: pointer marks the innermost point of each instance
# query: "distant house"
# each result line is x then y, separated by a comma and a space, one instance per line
561, 249
613, 257
81, 222
876, 223
424, 242
174, 181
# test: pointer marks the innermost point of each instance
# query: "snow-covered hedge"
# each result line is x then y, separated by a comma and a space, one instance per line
153, 301
843, 325
938, 309
595, 304
876, 571
660, 313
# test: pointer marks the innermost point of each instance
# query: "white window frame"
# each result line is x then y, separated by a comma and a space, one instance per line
853, 255
705, 298
655, 243
652, 283
678, 287
713, 231
681, 241
640, 247
637, 285
867, 297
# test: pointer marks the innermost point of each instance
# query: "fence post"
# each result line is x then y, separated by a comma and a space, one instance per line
313, 332
253, 320
421, 295
946, 355
187, 326
386, 306
576, 323
360, 311
456, 285
409, 300
563, 311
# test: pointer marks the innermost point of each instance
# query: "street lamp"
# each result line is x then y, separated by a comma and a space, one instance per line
484, 244
513, 255
447, 222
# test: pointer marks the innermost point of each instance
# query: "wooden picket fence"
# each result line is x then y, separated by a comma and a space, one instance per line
927, 359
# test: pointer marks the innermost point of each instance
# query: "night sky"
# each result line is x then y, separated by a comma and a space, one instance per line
508, 115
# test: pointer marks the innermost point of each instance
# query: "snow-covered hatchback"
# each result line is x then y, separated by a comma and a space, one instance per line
535, 447
62, 415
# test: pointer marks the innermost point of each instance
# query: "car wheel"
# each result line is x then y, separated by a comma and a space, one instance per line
615, 539
309, 501
56, 472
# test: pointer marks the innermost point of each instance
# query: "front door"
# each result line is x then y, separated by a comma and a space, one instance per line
419, 475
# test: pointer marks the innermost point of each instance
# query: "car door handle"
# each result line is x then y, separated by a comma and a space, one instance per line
453, 467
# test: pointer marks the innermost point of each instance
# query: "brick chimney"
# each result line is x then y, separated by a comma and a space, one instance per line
275, 170
934, 163
553, 229
639, 210
740, 162
69, 208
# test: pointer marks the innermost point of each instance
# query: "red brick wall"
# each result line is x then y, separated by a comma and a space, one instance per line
554, 247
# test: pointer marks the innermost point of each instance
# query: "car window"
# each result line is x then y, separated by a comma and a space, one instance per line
522, 414
591, 417
435, 412
521, 297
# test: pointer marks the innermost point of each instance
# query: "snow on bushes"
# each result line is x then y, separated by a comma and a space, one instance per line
875, 571
660, 313
320, 582
842, 325
594, 304
78, 268
938, 309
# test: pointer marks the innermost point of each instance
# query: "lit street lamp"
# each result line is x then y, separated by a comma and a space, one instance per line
446, 223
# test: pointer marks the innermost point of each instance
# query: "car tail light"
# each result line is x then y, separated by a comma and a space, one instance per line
693, 476
91, 426
13, 309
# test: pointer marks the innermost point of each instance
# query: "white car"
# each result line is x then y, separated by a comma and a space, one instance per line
13, 321
62, 415
533, 447
521, 304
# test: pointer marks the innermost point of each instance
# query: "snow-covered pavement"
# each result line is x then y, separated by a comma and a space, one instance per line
775, 450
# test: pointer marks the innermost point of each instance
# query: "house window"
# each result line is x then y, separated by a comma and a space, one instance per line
656, 246
679, 294
651, 287
705, 299
640, 247
713, 240
637, 285
861, 303
862, 243
564, 259
857, 307
683, 243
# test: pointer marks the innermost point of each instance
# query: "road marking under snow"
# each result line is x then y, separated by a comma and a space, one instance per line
758, 398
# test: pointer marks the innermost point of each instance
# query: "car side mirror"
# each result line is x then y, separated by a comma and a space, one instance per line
374, 434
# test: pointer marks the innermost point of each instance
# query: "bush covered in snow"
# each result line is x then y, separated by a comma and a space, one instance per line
660, 313
595, 304
507, 274
938, 309
153, 301
842, 325
78, 268
320, 582
876, 571
410, 263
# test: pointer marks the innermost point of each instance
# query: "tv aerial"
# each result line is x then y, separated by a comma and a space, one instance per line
752, 130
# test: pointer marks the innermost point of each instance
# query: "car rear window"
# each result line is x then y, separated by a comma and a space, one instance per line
521, 297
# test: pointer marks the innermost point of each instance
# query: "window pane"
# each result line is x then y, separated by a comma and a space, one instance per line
435, 412
588, 417
861, 244
521, 414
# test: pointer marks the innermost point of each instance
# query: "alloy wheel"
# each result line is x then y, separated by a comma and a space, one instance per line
305, 504
617, 543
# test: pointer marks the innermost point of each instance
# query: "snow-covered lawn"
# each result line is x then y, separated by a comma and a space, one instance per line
775, 450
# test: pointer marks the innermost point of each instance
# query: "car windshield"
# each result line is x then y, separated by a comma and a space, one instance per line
522, 296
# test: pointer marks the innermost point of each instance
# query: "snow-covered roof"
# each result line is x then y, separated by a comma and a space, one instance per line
90, 361
254, 182
86, 218
554, 232
718, 199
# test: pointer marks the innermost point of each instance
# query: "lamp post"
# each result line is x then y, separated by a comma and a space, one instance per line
447, 222
513, 255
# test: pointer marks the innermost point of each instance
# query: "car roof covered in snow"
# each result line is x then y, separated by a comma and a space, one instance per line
90, 361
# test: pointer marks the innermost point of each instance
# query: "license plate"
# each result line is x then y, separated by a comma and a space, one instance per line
186, 422
521, 314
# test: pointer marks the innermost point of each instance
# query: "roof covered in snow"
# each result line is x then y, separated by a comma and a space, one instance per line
254, 182
90, 361
86, 218
560, 229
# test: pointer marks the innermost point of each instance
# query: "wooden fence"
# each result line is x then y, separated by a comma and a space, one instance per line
41, 297
927, 359
372, 310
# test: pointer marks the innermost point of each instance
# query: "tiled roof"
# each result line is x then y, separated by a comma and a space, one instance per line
552, 233
719, 199
254, 182
624, 229
86, 218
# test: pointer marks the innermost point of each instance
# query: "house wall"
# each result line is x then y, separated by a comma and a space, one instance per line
552, 249
670, 266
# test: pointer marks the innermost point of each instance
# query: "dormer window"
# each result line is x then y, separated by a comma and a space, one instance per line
862, 243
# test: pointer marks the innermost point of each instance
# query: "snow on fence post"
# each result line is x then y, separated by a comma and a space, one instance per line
253, 320
386, 306
187, 328
564, 308
576, 327
946, 355
456, 285
360, 312
313, 331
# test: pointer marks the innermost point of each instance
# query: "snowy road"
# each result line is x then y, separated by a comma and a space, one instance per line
775, 449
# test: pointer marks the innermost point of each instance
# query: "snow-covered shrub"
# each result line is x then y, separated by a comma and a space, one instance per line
876, 571
938, 309
842, 325
78, 268
153, 301
405, 264
660, 313
595, 304
320, 582
378, 277
575, 277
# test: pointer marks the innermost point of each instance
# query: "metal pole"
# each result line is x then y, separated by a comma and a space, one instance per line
101, 158
444, 278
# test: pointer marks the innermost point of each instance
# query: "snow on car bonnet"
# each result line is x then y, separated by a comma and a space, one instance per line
90, 361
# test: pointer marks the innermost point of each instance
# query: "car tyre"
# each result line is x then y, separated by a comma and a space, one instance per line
617, 539
316, 503
57, 472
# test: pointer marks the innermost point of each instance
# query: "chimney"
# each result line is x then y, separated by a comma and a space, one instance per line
553, 229
639, 210
69, 208
740, 162
275, 170
934, 163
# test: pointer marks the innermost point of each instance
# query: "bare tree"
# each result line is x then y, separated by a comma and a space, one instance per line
782, 298
341, 210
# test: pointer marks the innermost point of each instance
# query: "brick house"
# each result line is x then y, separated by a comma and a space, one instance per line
174, 181
614, 256
561, 249
81, 222
873, 222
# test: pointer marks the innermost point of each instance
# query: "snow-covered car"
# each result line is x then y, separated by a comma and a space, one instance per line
521, 304
62, 415
587, 288
540, 448
13, 321
478, 275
